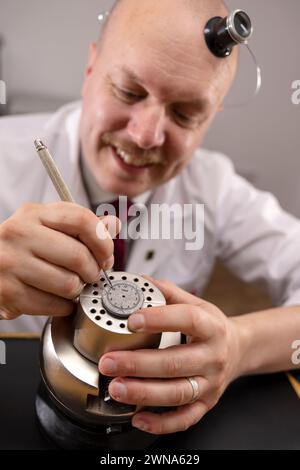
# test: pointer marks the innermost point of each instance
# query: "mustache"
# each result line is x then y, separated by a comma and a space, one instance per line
152, 155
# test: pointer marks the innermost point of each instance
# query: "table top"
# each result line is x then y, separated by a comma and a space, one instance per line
258, 412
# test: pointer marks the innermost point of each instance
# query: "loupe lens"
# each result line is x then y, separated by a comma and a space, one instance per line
242, 24
222, 34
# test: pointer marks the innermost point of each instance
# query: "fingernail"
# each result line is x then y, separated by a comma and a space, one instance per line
108, 264
102, 232
108, 366
118, 390
80, 289
139, 424
136, 322
113, 225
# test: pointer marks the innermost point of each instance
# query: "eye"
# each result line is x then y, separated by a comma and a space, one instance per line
183, 118
127, 95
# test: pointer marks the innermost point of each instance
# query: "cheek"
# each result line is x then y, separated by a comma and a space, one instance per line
106, 115
183, 147
194, 139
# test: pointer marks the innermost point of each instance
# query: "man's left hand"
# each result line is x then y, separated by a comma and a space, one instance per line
158, 377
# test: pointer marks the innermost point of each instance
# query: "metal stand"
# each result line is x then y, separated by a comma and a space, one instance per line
69, 435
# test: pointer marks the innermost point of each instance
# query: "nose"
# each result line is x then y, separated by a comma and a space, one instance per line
146, 127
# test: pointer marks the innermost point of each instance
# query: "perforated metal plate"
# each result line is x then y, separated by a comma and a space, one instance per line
110, 307
122, 299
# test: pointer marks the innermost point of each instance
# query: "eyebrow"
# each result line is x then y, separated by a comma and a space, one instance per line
197, 103
130, 73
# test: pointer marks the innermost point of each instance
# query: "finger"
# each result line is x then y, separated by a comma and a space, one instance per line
5, 314
50, 278
154, 392
174, 294
176, 361
65, 251
172, 421
83, 224
112, 224
191, 320
18, 299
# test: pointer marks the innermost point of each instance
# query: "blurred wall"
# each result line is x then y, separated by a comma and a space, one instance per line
44, 55
45, 48
263, 137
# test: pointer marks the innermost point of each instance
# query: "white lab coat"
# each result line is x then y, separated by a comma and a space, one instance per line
244, 227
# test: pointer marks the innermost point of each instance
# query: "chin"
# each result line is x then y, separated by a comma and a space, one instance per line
114, 185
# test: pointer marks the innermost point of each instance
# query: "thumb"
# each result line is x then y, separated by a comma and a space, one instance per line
108, 226
174, 294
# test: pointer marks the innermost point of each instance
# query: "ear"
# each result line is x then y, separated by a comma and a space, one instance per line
90, 65
91, 58
220, 108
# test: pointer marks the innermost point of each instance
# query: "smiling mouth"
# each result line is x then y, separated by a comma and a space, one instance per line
140, 162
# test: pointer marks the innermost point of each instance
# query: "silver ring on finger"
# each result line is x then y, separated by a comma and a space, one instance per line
195, 388
2, 315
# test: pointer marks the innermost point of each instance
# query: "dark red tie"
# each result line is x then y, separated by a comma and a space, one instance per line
120, 243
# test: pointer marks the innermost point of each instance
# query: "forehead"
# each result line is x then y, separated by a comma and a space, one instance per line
175, 90
166, 62
165, 47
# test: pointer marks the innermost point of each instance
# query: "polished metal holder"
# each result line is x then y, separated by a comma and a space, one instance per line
73, 345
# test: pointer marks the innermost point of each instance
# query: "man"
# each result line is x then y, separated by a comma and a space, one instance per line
151, 91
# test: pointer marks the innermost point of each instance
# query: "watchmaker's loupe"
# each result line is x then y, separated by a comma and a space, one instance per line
222, 34
73, 405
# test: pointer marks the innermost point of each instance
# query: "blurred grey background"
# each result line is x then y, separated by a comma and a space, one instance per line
44, 50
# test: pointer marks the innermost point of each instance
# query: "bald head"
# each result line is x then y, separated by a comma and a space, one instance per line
181, 21
198, 8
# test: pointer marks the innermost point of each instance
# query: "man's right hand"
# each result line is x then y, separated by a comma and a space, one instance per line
47, 253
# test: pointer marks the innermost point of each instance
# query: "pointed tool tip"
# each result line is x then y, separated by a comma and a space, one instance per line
39, 145
107, 278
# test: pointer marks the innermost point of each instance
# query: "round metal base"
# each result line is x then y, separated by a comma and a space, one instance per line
67, 434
